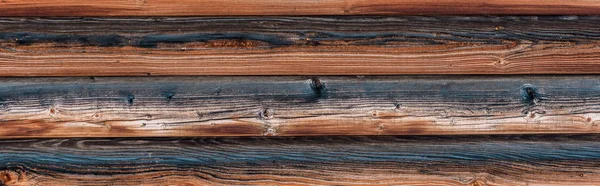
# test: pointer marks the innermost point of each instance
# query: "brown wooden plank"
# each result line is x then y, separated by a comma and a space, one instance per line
297, 106
299, 46
291, 7
457, 160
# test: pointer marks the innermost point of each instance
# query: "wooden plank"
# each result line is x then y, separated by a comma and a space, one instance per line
468, 160
299, 46
297, 106
291, 7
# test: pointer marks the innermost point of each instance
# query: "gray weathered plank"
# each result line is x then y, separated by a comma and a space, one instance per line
296, 106
383, 160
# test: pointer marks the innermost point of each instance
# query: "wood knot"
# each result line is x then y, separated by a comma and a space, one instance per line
477, 183
169, 96
317, 86
374, 114
53, 111
8, 177
533, 114
266, 114
500, 63
199, 114
218, 91
397, 107
530, 95
270, 132
311, 42
130, 99
346, 12
380, 127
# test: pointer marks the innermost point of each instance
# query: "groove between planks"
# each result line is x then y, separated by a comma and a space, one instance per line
357, 160
297, 106
289, 7
299, 46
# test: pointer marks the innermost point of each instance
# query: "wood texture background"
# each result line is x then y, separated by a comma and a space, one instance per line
510, 127
297, 106
299, 46
293, 7
456, 160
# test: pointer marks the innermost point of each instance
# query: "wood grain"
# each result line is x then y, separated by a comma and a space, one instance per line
458, 160
299, 46
293, 7
297, 106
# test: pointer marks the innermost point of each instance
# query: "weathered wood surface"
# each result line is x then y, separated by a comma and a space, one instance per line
293, 7
296, 106
299, 46
466, 160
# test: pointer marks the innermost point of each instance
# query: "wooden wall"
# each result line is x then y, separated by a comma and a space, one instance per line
407, 92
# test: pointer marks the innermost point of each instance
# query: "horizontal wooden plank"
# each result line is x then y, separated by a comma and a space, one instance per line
299, 46
290, 7
297, 106
468, 160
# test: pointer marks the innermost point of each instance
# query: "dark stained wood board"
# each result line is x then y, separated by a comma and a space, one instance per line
297, 106
357, 160
299, 45
293, 7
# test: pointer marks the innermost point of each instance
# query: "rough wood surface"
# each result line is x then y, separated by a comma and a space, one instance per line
468, 160
296, 106
293, 7
299, 46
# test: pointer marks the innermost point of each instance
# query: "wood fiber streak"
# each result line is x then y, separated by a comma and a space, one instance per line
297, 106
293, 7
384, 160
299, 46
